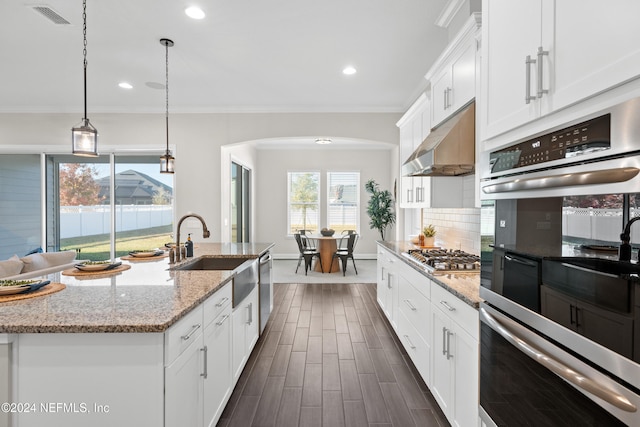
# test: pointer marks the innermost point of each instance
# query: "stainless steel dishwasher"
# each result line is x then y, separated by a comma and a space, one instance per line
265, 289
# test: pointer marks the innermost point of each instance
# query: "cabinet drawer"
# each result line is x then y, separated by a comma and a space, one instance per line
421, 282
217, 302
417, 348
179, 336
415, 306
456, 309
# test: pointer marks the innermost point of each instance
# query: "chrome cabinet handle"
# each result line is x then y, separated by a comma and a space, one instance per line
410, 196
448, 97
448, 307
224, 319
389, 281
413, 347
541, 53
250, 316
449, 355
444, 99
191, 332
382, 273
222, 301
444, 341
411, 306
527, 63
206, 368
569, 373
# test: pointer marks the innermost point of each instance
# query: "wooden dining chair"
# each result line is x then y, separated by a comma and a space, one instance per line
345, 251
307, 252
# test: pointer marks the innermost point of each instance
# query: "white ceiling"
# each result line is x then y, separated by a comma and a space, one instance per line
245, 55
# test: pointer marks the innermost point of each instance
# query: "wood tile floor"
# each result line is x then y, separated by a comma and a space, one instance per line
328, 357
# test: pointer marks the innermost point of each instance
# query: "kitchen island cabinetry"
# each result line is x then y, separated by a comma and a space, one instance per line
439, 330
244, 320
149, 347
541, 56
387, 289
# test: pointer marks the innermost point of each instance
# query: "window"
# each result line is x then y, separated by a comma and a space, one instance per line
343, 196
240, 203
303, 201
82, 215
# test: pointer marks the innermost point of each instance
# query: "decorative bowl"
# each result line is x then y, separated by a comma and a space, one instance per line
327, 233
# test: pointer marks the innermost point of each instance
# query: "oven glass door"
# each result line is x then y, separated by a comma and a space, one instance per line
517, 390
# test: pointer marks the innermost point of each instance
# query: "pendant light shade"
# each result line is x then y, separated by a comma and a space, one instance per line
84, 137
167, 160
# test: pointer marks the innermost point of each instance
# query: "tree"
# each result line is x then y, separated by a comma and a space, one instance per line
304, 194
78, 185
161, 197
380, 208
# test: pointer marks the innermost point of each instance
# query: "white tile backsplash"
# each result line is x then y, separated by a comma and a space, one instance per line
456, 228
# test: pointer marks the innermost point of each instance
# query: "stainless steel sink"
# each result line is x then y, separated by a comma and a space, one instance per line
245, 273
207, 263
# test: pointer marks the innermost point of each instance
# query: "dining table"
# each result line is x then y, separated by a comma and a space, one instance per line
327, 246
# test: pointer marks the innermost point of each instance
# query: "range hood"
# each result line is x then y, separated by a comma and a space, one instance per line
449, 150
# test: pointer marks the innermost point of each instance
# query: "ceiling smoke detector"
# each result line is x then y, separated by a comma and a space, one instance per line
51, 15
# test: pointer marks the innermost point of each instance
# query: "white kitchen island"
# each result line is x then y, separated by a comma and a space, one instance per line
147, 347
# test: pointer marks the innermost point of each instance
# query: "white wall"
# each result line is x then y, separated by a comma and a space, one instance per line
271, 190
198, 139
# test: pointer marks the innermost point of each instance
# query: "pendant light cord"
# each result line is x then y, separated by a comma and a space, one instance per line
166, 85
84, 53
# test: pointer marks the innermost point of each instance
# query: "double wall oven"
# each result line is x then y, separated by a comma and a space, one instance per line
560, 321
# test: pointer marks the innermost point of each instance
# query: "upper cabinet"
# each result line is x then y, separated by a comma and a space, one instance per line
540, 56
453, 75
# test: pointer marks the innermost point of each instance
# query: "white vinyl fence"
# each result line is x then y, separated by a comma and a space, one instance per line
77, 221
584, 223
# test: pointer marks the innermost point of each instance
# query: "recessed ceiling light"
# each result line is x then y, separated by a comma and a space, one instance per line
155, 85
349, 70
194, 12
323, 141
125, 85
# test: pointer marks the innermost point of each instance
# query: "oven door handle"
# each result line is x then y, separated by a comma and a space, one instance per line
606, 176
520, 261
566, 372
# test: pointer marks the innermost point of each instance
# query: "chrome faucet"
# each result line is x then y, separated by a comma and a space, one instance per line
624, 253
205, 232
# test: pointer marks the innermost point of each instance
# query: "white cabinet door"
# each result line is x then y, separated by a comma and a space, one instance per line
511, 32
244, 327
464, 352
418, 349
252, 325
463, 76
440, 365
440, 96
218, 381
183, 387
595, 49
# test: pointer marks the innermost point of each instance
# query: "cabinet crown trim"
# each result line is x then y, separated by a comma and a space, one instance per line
468, 31
411, 112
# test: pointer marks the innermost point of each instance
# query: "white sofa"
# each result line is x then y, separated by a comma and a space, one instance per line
36, 265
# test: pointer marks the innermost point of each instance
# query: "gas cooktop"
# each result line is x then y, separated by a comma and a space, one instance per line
444, 260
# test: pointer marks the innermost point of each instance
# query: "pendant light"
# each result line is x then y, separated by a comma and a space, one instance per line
167, 160
84, 137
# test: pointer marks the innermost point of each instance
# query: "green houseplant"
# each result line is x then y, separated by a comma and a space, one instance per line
380, 208
429, 233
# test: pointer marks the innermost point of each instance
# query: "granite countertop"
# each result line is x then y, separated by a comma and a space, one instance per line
149, 297
465, 286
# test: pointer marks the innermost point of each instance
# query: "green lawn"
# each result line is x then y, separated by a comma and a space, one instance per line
96, 248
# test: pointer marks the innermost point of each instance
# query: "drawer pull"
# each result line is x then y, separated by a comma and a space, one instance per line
224, 318
413, 347
250, 314
447, 306
411, 306
191, 332
222, 301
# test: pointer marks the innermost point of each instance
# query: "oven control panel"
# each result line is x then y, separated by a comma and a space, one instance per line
583, 138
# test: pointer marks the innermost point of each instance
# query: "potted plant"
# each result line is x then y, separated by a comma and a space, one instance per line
429, 233
380, 208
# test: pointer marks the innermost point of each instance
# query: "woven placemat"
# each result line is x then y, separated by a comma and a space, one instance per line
45, 290
143, 259
79, 273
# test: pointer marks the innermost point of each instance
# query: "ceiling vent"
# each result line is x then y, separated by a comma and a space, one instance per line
51, 15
